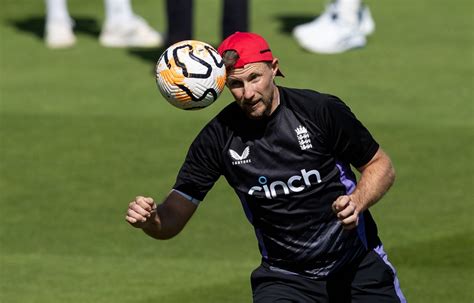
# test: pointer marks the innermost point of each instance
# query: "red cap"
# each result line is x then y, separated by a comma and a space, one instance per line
250, 47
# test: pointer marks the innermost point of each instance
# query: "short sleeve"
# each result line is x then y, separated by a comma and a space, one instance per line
202, 165
349, 139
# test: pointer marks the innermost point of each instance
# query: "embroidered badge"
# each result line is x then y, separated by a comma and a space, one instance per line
303, 137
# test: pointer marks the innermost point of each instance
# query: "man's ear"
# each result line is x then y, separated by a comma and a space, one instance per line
275, 67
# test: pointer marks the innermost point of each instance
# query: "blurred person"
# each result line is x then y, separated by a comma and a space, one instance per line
121, 28
180, 19
287, 153
344, 25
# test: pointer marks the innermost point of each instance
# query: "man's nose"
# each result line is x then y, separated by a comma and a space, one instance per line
249, 91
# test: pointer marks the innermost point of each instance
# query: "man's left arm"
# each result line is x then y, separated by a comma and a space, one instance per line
377, 176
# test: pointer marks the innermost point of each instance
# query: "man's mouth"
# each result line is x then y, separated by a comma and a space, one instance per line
253, 104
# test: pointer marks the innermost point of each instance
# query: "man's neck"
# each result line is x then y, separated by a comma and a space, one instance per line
275, 100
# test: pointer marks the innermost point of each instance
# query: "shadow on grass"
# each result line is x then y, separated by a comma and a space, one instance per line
149, 54
82, 25
35, 26
289, 22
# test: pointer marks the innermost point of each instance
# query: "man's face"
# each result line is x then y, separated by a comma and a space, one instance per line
253, 88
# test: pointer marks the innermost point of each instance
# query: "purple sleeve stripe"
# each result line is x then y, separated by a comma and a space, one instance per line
347, 178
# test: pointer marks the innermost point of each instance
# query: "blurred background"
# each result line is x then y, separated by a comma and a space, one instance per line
84, 130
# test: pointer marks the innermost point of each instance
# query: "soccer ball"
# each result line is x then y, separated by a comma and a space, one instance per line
190, 74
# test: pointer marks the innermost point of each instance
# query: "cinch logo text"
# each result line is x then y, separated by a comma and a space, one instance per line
294, 184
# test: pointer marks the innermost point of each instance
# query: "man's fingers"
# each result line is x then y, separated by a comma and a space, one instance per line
146, 203
130, 220
133, 214
351, 219
141, 209
144, 200
347, 211
340, 203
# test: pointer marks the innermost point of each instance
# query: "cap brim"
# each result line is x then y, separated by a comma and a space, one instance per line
279, 73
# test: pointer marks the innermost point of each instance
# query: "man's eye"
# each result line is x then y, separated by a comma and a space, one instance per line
254, 78
234, 84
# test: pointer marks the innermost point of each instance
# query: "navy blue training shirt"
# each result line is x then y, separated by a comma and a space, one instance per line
287, 170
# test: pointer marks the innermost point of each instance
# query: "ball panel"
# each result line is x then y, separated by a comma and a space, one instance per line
220, 82
190, 74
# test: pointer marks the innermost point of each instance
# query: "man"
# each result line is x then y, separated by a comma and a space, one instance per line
287, 154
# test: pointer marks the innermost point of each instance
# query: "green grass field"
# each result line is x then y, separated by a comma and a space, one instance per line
84, 130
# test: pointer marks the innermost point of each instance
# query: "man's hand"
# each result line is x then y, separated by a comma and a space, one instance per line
346, 212
141, 213
162, 221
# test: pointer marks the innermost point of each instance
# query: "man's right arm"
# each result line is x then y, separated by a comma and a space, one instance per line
162, 221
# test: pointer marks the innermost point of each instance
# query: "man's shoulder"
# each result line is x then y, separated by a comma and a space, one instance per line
299, 92
220, 124
306, 99
230, 110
